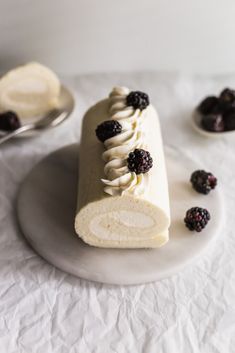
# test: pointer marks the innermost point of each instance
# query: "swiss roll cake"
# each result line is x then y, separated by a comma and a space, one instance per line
123, 199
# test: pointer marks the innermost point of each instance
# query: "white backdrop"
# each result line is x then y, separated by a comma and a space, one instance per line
106, 35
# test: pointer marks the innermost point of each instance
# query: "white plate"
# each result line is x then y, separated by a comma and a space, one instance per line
66, 103
196, 123
46, 210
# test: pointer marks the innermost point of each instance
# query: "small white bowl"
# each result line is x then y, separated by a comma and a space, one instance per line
196, 123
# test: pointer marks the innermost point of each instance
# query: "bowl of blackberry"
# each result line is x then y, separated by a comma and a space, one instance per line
215, 115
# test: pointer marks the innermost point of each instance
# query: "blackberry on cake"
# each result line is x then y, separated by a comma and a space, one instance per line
139, 161
108, 129
137, 100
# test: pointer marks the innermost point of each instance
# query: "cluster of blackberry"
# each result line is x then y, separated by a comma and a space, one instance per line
218, 113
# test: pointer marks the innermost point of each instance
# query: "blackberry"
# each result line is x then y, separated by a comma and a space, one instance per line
108, 129
213, 122
227, 95
226, 100
229, 120
139, 161
137, 100
196, 218
9, 121
203, 182
208, 105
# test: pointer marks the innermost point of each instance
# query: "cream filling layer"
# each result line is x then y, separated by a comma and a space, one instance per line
120, 222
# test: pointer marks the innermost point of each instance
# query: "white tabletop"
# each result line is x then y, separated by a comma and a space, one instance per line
45, 310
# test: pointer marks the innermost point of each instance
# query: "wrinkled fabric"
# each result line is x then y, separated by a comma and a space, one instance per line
43, 309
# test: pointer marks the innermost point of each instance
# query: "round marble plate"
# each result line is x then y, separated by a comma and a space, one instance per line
46, 210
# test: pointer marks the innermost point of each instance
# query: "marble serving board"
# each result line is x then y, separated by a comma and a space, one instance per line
46, 210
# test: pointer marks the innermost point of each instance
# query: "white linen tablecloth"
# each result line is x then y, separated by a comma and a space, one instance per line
44, 310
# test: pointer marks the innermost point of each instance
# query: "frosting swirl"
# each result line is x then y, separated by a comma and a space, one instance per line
119, 179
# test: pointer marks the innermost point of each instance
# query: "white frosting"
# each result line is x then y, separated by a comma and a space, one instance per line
119, 179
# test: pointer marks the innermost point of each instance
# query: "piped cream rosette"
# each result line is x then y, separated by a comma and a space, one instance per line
118, 208
119, 179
